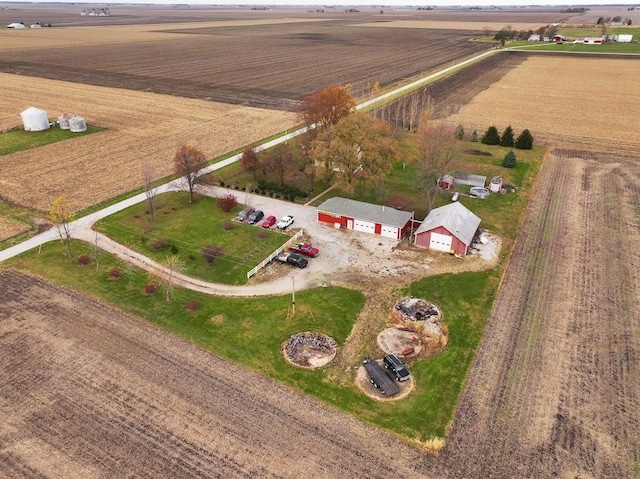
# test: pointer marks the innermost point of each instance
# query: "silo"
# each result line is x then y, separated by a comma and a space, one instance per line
35, 119
77, 124
63, 121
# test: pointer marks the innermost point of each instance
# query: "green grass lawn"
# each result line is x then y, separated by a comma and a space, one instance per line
251, 331
184, 229
20, 140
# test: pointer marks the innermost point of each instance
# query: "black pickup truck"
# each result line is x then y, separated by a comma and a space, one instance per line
293, 258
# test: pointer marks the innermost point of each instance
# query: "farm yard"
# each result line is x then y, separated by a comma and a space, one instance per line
553, 390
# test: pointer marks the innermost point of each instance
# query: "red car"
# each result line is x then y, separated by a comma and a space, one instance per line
305, 249
269, 221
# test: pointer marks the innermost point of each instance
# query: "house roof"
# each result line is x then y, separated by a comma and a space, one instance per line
366, 211
455, 218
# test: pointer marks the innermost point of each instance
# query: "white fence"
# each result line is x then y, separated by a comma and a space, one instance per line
269, 258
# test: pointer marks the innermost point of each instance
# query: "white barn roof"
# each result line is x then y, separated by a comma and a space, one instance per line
455, 218
366, 211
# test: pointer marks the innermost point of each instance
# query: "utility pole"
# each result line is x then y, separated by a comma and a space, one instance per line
293, 297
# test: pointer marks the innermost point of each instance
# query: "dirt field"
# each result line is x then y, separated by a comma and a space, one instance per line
564, 100
9, 228
138, 127
87, 391
554, 390
267, 63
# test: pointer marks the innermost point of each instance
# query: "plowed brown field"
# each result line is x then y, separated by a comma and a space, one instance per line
554, 390
138, 127
87, 391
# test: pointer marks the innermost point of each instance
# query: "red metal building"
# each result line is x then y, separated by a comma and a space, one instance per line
359, 216
450, 228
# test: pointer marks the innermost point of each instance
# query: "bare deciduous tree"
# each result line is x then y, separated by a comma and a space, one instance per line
173, 265
187, 162
148, 173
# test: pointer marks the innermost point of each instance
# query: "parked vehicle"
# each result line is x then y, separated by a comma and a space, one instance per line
393, 363
254, 217
293, 259
244, 214
284, 222
379, 378
269, 221
305, 249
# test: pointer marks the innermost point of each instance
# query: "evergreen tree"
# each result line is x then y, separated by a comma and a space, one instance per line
507, 137
524, 140
509, 160
491, 136
459, 132
474, 136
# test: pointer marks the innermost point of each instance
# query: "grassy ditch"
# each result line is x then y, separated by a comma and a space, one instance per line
183, 229
251, 331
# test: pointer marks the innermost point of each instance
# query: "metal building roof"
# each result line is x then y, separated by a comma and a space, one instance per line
366, 211
455, 218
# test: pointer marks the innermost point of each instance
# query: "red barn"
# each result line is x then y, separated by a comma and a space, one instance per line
359, 216
450, 228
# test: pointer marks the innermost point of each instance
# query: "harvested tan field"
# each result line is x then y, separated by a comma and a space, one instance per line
554, 389
89, 392
575, 101
452, 25
138, 127
9, 228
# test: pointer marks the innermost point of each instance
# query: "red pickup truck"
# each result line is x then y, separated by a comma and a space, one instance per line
305, 249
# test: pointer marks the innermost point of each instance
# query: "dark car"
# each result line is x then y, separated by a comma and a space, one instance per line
254, 217
393, 363
244, 214
293, 259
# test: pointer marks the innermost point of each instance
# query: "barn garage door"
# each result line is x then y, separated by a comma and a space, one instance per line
365, 226
440, 242
389, 232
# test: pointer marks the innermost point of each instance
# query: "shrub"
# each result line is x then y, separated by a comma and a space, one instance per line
157, 244
173, 248
192, 305
227, 202
150, 288
210, 253
227, 225
84, 259
507, 137
115, 273
524, 140
509, 160
491, 136
474, 136
222, 183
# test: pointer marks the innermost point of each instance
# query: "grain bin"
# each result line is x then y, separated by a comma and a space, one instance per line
77, 124
35, 119
63, 121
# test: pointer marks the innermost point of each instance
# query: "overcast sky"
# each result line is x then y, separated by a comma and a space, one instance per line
389, 3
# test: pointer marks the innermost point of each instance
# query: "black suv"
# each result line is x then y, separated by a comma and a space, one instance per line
398, 368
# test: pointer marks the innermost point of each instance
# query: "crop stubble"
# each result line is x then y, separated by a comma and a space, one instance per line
138, 127
554, 391
88, 391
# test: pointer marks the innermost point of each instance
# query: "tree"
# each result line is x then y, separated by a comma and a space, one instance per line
61, 216
326, 107
524, 140
187, 161
148, 176
474, 136
491, 136
507, 137
359, 149
278, 159
210, 253
459, 132
173, 264
509, 160
227, 202
438, 147
249, 160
